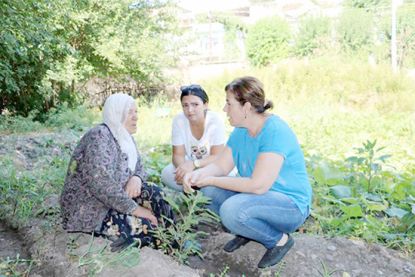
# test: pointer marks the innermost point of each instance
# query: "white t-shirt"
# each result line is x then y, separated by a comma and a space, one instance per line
198, 149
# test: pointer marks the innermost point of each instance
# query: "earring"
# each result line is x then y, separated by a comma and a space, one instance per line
245, 115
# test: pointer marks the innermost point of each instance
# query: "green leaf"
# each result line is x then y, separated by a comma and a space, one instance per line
352, 211
350, 200
372, 206
341, 191
394, 211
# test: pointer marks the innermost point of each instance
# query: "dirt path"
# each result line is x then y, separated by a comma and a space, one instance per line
10, 244
14, 258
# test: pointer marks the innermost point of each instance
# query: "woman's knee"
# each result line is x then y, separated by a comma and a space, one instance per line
232, 214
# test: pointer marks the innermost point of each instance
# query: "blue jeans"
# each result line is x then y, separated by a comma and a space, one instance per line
263, 218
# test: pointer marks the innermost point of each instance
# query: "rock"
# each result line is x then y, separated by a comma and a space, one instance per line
331, 248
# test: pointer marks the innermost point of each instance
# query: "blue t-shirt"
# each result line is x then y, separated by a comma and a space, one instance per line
275, 137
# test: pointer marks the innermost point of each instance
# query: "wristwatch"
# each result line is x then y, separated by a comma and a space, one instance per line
196, 163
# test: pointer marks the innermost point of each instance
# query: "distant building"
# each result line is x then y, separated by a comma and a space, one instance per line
206, 41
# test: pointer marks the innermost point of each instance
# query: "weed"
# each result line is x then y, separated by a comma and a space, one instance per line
97, 258
180, 239
325, 271
223, 273
16, 267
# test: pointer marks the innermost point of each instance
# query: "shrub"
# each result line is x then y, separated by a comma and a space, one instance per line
313, 34
355, 30
267, 41
28, 47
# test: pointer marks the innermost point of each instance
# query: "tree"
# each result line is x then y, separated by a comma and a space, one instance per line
49, 46
28, 49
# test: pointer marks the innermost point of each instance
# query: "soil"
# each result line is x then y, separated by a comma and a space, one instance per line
61, 254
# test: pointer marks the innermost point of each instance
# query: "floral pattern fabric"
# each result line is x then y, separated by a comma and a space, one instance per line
117, 224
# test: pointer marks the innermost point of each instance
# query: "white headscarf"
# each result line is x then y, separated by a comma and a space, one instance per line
115, 112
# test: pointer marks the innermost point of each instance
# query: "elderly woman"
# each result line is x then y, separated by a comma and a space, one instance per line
105, 190
272, 196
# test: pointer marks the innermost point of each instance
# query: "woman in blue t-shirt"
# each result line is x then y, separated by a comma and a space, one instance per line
271, 198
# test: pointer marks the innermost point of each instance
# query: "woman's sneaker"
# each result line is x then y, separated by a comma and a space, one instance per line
275, 254
235, 243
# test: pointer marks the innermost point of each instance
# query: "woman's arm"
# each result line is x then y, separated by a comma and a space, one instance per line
220, 167
265, 173
215, 151
178, 157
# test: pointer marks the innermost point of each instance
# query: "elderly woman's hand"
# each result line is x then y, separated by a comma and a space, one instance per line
133, 187
145, 213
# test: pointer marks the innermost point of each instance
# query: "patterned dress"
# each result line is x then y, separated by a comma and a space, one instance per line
93, 199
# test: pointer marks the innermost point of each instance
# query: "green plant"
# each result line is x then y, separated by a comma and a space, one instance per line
352, 36
325, 271
366, 165
313, 34
16, 267
223, 273
180, 238
96, 258
267, 41
28, 48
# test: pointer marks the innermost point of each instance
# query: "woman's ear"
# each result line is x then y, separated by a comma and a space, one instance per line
247, 107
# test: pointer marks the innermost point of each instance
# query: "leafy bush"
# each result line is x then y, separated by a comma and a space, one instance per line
312, 35
180, 239
355, 30
360, 198
268, 41
28, 48
49, 47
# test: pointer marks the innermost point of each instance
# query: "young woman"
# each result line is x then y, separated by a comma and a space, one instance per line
105, 190
198, 136
272, 196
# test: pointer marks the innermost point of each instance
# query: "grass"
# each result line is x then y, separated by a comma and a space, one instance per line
333, 105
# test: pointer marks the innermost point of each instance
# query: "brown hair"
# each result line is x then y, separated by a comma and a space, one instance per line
249, 89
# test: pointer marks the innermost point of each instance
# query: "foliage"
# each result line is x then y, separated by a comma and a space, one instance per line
267, 41
367, 166
180, 239
352, 35
313, 34
361, 200
15, 267
365, 4
48, 48
405, 36
97, 258
23, 191
28, 49
61, 117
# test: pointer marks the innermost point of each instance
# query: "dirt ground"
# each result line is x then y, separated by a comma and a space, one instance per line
61, 254
310, 256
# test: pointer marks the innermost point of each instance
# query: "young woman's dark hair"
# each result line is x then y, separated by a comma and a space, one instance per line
195, 90
249, 89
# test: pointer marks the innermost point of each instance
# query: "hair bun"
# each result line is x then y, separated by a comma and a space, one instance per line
268, 105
